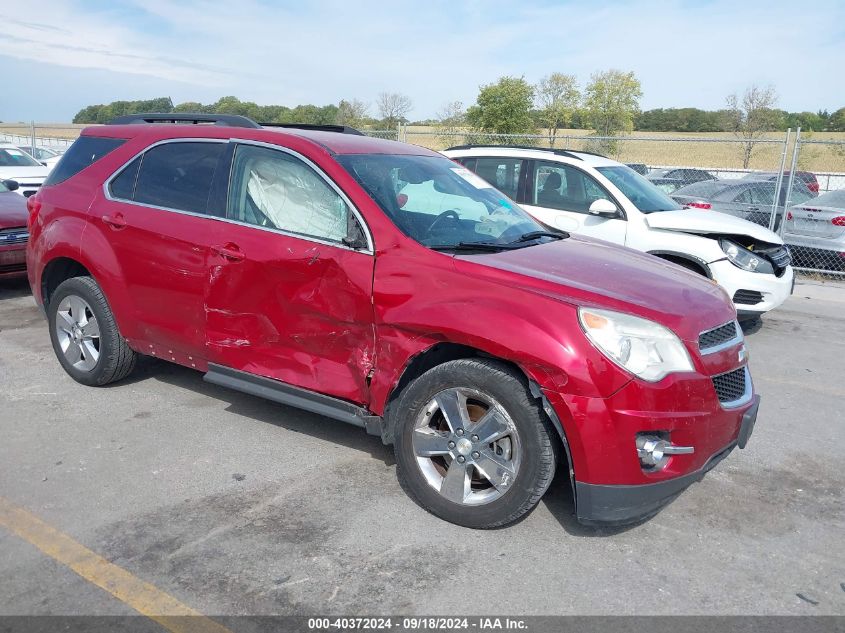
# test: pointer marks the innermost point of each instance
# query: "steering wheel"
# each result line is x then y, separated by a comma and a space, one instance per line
449, 213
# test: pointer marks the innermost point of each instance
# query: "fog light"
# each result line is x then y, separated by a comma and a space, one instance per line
654, 451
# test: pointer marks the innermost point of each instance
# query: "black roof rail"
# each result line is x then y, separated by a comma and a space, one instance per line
571, 153
231, 120
340, 129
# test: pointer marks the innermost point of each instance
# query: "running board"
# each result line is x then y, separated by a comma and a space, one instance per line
284, 393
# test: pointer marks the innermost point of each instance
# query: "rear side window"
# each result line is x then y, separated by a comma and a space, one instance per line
123, 186
85, 151
177, 175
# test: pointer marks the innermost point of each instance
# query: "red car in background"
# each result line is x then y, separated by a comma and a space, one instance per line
383, 285
13, 231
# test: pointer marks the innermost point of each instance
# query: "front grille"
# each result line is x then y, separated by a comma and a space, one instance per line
748, 297
730, 386
778, 255
718, 336
13, 236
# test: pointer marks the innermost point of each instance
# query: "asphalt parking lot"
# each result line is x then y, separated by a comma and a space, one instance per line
234, 505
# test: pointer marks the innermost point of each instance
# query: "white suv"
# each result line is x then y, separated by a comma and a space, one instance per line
593, 195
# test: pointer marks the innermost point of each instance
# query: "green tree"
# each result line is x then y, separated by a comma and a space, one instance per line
353, 113
836, 122
503, 107
751, 117
612, 99
557, 97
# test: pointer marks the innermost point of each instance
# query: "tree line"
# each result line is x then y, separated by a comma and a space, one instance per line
392, 109
510, 104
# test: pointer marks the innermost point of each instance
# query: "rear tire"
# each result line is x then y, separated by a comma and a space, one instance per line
84, 334
472, 444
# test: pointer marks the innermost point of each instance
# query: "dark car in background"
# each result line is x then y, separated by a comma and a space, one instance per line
806, 177
13, 231
684, 174
668, 185
640, 168
747, 199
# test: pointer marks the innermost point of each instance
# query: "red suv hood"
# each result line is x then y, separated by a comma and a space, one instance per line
12, 210
582, 271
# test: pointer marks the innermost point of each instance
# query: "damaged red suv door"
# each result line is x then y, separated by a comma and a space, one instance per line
288, 299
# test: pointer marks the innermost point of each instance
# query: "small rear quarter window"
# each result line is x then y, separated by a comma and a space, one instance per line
85, 151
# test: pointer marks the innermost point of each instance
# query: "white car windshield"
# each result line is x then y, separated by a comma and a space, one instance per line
442, 205
14, 157
643, 194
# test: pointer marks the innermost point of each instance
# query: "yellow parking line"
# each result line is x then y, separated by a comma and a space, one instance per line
141, 596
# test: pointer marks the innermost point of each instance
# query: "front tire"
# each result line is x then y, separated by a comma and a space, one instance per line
84, 334
472, 445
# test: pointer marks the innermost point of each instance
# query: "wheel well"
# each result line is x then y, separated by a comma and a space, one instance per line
57, 271
689, 263
443, 353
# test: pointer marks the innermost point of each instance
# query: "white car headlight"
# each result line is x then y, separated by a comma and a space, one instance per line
644, 348
741, 257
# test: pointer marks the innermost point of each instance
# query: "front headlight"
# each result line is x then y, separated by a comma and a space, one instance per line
741, 257
642, 347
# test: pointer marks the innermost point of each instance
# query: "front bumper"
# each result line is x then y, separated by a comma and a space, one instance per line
774, 290
602, 504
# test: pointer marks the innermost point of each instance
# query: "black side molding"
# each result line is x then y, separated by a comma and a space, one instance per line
284, 393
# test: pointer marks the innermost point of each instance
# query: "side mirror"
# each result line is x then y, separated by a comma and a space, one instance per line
11, 185
603, 207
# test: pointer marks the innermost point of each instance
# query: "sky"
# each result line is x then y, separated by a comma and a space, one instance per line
58, 56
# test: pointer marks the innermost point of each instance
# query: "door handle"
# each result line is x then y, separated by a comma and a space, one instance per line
116, 222
229, 252
753, 208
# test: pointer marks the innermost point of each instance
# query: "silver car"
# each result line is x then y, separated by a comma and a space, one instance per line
743, 198
815, 231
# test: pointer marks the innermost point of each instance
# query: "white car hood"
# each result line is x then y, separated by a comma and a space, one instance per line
28, 174
703, 222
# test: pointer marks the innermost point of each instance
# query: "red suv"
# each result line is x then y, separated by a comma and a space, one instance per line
383, 285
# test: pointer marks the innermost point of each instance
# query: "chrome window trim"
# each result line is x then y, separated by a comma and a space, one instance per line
332, 185
746, 396
308, 238
736, 340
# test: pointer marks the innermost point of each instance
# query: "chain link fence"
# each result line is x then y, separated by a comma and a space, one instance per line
814, 228
791, 184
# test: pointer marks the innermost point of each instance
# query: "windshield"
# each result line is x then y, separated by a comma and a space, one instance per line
643, 194
439, 203
13, 157
3, 188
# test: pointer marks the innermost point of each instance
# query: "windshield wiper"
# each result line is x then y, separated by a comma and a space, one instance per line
474, 246
534, 235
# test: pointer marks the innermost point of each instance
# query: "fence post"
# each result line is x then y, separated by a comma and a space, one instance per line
796, 150
32, 135
779, 184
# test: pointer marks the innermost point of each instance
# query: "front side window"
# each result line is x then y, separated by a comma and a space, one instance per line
177, 175
560, 186
642, 193
276, 190
438, 203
